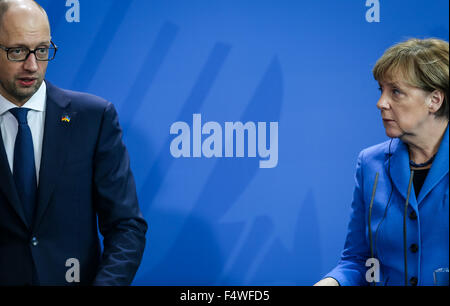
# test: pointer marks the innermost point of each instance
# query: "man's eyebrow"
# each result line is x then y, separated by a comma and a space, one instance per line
44, 43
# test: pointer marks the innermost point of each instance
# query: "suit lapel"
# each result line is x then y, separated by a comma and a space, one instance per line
400, 171
54, 147
438, 170
7, 184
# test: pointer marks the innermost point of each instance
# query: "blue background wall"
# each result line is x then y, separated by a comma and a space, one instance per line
304, 64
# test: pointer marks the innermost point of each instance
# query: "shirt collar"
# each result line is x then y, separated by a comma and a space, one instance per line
37, 101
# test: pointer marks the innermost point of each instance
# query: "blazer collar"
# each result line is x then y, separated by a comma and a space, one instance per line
57, 96
400, 170
54, 146
438, 170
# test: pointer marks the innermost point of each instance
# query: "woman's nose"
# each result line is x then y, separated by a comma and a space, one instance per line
383, 103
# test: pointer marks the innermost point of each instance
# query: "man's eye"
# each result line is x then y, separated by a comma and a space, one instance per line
18, 51
42, 50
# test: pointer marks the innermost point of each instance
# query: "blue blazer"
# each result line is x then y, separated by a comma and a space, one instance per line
84, 175
429, 231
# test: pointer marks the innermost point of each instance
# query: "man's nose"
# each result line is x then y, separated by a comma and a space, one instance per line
31, 63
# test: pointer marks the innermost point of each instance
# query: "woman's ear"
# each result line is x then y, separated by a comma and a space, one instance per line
435, 100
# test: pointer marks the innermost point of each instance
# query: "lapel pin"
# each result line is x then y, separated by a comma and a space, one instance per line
66, 118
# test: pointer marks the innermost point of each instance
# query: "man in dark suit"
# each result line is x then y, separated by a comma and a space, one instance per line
63, 166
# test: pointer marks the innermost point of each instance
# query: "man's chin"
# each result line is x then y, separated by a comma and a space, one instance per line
25, 93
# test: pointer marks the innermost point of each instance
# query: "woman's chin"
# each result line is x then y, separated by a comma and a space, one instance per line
393, 133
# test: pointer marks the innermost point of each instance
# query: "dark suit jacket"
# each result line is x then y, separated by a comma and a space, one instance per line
84, 177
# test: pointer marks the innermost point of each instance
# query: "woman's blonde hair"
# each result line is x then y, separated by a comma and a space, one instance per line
422, 63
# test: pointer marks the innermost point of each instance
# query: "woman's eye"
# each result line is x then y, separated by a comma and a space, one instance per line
395, 91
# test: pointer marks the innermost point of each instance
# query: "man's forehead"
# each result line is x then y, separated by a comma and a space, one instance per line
21, 24
24, 13
24, 4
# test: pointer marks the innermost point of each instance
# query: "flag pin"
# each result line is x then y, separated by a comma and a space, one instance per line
66, 118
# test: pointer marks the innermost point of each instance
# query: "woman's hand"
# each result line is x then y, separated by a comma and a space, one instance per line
327, 282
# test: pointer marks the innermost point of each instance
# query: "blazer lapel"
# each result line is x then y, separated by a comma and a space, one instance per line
400, 172
7, 184
438, 170
54, 147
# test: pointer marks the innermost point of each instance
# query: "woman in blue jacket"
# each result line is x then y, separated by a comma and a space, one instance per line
398, 232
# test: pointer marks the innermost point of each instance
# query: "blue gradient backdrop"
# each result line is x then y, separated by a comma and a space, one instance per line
304, 64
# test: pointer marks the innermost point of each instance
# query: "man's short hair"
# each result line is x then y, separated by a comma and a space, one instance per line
4, 6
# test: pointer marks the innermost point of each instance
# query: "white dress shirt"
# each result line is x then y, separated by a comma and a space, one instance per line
36, 120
